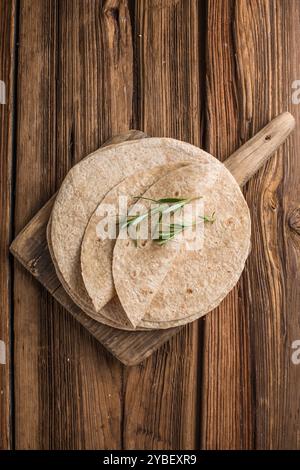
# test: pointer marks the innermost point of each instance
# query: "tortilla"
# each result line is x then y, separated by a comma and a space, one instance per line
147, 323
97, 251
139, 271
160, 291
112, 307
85, 186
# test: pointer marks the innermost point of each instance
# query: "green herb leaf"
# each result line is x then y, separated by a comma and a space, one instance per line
163, 208
210, 219
167, 200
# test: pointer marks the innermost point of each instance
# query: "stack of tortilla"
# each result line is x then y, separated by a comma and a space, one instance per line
144, 285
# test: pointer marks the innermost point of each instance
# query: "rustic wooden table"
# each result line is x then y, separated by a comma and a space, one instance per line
210, 72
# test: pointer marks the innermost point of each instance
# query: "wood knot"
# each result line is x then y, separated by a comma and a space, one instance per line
33, 266
114, 13
294, 220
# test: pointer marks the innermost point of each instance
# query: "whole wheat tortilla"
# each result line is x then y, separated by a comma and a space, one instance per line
158, 302
85, 186
114, 312
96, 257
97, 252
155, 287
139, 271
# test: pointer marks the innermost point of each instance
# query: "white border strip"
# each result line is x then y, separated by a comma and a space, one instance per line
2, 352
2, 92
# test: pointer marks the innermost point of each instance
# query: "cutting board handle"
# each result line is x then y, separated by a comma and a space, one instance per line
247, 160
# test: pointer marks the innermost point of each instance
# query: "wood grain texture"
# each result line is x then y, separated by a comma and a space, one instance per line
7, 70
251, 156
67, 389
85, 74
288, 412
252, 390
168, 56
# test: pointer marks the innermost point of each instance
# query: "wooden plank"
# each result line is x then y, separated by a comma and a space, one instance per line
251, 387
227, 410
68, 390
31, 249
7, 70
286, 431
35, 156
168, 53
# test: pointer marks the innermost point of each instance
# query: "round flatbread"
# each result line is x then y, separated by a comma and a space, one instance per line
100, 234
85, 186
160, 289
112, 307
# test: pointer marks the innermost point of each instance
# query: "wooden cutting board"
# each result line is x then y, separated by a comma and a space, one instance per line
131, 348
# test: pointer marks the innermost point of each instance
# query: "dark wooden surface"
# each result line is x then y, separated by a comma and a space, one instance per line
7, 74
209, 72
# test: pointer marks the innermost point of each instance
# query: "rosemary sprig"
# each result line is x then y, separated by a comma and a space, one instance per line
162, 209
134, 220
167, 200
164, 206
209, 218
174, 229
177, 228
